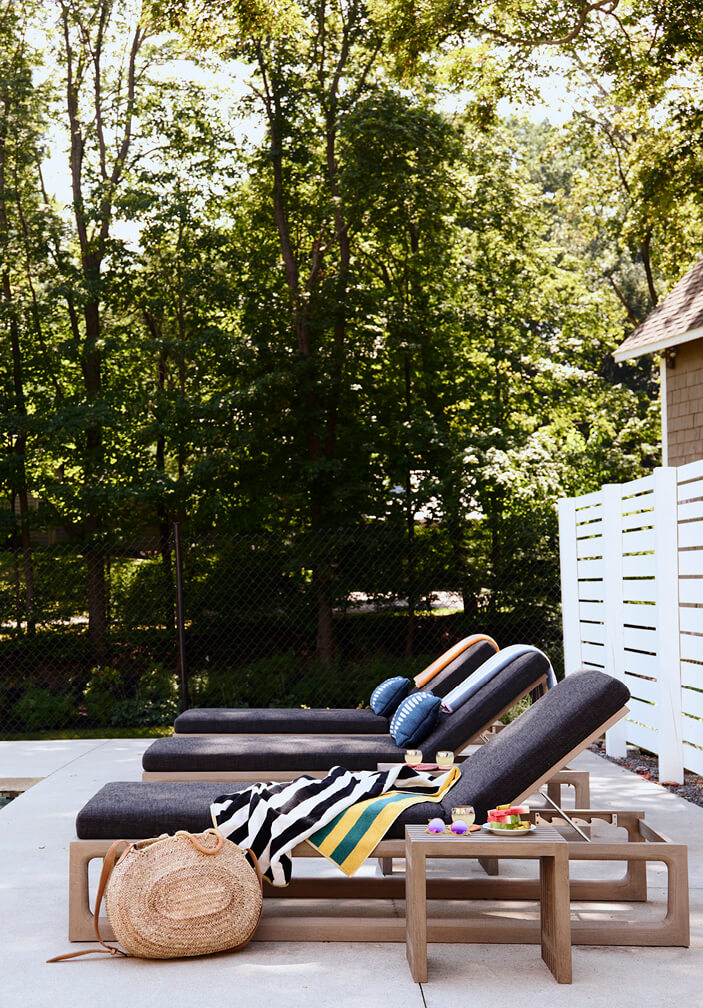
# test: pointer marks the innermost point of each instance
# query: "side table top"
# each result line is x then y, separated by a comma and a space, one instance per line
449, 845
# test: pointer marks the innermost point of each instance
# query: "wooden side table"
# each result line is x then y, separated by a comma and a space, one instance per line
544, 844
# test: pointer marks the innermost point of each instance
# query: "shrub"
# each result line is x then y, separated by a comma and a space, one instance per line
157, 697
37, 708
109, 700
287, 680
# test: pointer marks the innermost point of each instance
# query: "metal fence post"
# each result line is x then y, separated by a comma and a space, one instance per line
180, 618
666, 553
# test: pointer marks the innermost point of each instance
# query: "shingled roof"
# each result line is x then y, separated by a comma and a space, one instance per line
676, 319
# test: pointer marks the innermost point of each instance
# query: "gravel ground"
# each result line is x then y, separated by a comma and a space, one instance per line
646, 765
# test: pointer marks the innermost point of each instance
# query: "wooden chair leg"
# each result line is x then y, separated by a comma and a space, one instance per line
81, 921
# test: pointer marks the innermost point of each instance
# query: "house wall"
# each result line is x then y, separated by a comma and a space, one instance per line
684, 405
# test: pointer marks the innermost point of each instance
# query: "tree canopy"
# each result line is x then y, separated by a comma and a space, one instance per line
371, 311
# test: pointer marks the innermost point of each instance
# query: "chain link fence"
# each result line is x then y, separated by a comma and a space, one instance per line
89, 638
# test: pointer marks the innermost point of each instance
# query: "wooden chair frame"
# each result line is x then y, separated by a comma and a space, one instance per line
252, 776
643, 845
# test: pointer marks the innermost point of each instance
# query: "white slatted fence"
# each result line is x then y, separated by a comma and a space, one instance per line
632, 598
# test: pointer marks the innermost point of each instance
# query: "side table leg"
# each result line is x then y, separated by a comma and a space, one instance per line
555, 914
416, 912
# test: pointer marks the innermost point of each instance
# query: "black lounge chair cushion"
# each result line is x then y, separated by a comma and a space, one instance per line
297, 720
281, 721
207, 754
537, 740
497, 772
132, 810
211, 753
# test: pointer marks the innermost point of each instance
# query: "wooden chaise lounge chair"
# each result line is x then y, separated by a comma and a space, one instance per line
510, 767
334, 721
244, 758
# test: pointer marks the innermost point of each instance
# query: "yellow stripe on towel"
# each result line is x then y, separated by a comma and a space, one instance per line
422, 678
351, 837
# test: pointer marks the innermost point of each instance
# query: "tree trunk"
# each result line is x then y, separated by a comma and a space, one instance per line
325, 646
20, 477
97, 599
93, 463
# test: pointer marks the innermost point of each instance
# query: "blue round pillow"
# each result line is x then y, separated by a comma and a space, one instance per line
415, 718
388, 694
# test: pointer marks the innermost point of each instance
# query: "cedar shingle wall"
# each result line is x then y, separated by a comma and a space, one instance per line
684, 404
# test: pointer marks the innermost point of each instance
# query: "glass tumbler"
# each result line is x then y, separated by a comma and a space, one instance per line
464, 813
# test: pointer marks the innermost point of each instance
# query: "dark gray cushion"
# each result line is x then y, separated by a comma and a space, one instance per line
212, 753
535, 741
320, 721
497, 772
281, 721
132, 810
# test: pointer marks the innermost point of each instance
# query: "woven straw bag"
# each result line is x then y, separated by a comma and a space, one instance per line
181, 895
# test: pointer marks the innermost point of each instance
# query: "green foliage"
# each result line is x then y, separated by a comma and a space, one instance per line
111, 699
286, 680
39, 708
358, 354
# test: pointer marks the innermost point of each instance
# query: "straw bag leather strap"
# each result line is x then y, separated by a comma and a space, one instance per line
109, 862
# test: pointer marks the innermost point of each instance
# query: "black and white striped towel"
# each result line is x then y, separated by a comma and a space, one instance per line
273, 818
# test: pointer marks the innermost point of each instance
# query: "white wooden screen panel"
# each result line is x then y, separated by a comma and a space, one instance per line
642, 736
639, 639
639, 615
692, 730
691, 509
691, 619
691, 535
642, 713
592, 611
691, 648
639, 590
642, 664
637, 520
591, 569
635, 488
638, 541
693, 758
636, 580
592, 633
692, 702
589, 548
593, 654
691, 675
645, 689
691, 563
690, 591
638, 566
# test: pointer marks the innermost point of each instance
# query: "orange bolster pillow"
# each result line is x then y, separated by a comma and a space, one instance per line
431, 671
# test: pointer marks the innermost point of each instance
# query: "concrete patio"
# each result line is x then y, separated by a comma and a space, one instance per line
36, 828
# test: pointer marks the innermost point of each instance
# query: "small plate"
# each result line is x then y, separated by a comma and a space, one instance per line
507, 832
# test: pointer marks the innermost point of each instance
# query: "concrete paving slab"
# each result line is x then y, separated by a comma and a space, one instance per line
35, 831
44, 758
